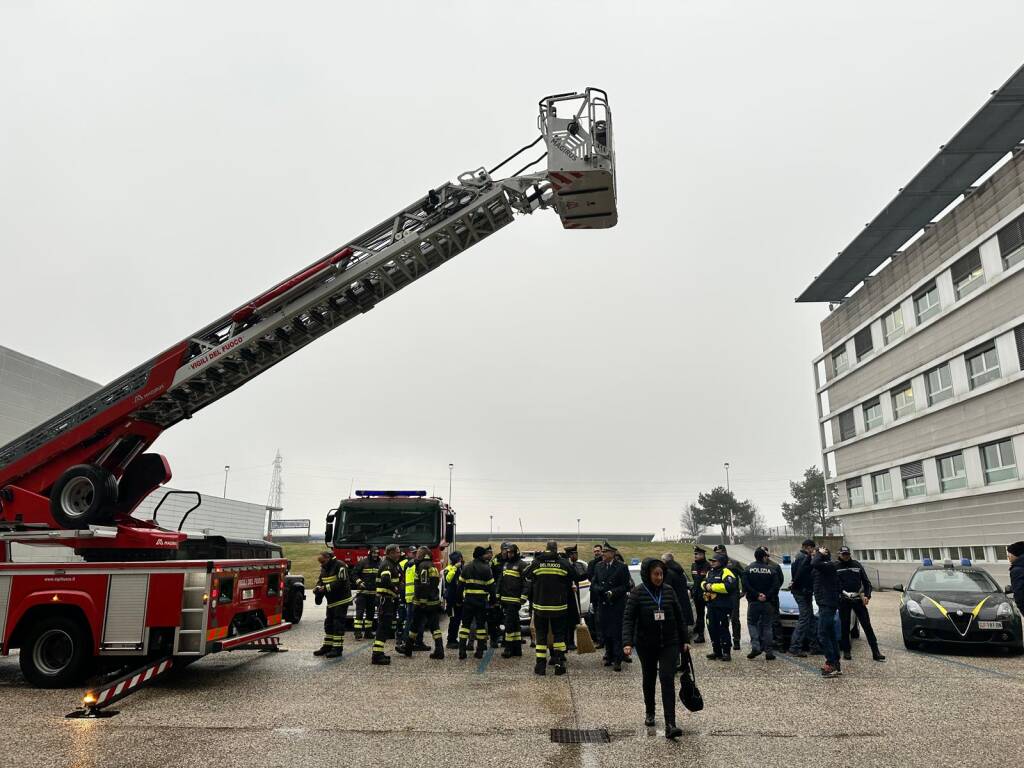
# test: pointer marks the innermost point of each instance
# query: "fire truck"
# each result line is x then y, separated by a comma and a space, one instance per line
139, 589
374, 519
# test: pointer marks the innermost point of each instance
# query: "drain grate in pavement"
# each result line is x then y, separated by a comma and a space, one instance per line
574, 736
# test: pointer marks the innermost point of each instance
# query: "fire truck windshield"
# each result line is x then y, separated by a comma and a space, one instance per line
382, 521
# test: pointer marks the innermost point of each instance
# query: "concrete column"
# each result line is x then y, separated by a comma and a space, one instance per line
1006, 347
858, 419
897, 484
991, 259
1018, 455
947, 294
920, 393
877, 341
931, 476
958, 373
885, 400
972, 464
909, 316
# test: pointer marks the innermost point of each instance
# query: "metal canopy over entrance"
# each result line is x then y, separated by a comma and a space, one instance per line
993, 131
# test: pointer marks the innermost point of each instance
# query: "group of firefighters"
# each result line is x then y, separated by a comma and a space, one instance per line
402, 595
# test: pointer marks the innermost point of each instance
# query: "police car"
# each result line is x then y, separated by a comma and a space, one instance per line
789, 611
958, 604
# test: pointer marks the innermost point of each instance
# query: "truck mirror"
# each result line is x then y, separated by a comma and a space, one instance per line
329, 533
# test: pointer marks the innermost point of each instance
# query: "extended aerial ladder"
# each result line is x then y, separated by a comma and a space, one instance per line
88, 467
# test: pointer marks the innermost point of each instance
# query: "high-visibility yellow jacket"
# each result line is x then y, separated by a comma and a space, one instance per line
720, 583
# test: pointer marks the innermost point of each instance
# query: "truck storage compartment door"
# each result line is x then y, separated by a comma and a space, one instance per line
125, 623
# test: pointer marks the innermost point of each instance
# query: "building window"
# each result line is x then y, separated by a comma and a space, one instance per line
926, 304
862, 343
840, 360
896, 554
952, 474
855, 492
967, 274
939, 383
884, 553
881, 486
892, 325
915, 553
847, 427
999, 462
913, 479
902, 401
1018, 334
978, 553
872, 414
982, 366
1000, 551
1011, 242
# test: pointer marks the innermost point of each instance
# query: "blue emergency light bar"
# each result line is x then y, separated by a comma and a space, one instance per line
634, 561
926, 561
787, 560
965, 561
390, 494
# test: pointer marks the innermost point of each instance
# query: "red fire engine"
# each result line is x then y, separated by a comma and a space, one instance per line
75, 480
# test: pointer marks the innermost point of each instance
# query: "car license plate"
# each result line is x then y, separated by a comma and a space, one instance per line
247, 594
990, 625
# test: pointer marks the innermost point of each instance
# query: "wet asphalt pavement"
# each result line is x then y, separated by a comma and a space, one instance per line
251, 709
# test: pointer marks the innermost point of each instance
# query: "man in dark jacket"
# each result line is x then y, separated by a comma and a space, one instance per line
762, 581
802, 588
1015, 554
477, 584
855, 589
453, 597
333, 587
427, 599
364, 579
675, 577
826, 595
595, 609
389, 586
510, 598
654, 625
547, 582
734, 617
699, 571
610, 585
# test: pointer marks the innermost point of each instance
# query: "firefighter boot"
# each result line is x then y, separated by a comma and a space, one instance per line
334, 653
541, 667
507, 652
462, 649
381, 659
517, 648
323, 650
438, 650
559, 664
407, 649
481, 646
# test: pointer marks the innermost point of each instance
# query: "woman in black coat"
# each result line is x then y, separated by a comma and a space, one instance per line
654, 625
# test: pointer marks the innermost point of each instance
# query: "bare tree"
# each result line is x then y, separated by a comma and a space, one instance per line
757, 528
690, 523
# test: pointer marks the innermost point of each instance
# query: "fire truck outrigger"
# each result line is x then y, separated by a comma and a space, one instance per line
141, 590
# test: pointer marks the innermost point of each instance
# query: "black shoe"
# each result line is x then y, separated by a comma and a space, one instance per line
323, 651
878, 656
479, 652
847, 656
753, 654
438, 651
649, 720
735, 645
334, 653
698, 640
463, 654
380, 659
540, 668
617, 666
506, 652
726, 657
713, 656
559, 669
769, 656
517, 650
672, 732
406, 650
798, 654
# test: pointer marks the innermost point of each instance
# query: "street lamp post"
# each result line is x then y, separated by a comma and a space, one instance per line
663, 536
732, 516
451, 468
492, 526
577, 533
227, 468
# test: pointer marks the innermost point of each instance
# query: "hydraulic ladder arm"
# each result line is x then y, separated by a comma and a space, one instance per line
88, 464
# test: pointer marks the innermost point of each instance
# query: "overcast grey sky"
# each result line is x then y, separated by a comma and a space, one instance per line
162, 163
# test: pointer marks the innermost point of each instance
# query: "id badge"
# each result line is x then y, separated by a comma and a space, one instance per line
659, 615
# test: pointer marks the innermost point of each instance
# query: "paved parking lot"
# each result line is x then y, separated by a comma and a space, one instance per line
292, 709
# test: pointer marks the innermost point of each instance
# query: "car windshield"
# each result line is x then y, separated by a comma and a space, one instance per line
950, 580
383, 521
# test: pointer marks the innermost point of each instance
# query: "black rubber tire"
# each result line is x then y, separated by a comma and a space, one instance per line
84, 495
56, 652
293, 605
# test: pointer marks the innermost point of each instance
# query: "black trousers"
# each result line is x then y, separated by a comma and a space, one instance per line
366, 609
474, 619
556, 624
385, 619
734, 617
454, 622
659, 664
513, 629
699, 607
611, 629
861, 611
595, 608
719, 618
334, 626
428, 617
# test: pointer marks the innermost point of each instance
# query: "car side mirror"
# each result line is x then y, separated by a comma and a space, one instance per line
1007, 590
898, 588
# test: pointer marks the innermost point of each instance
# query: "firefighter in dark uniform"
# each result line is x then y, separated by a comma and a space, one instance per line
510, 598
698, 572
453, 597
389, 582
427, 599
495, 614
547, 583
720, 586
333, 587
477, 584
364, 579
734, 618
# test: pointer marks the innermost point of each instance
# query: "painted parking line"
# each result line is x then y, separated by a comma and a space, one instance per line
963, 664
482, 666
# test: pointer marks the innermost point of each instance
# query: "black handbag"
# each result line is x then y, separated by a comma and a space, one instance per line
689, 693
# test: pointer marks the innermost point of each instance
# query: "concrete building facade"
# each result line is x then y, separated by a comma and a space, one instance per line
920, 386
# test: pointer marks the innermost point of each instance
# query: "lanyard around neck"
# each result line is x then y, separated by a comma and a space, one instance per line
657, 599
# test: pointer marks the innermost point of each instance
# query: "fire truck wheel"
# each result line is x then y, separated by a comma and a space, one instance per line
54, 653
293, 606
84, 495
